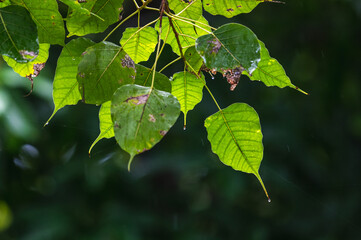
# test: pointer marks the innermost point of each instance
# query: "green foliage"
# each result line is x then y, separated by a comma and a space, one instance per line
139, 105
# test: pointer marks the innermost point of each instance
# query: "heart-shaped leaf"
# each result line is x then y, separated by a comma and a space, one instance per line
235, 136
142, 116
103, 69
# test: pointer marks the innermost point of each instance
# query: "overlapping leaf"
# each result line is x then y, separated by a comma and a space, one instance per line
18, 34
194, 59
4, 3
102, 14
187, 88
144, 76
230, 46
103, 69
235, 136
47, 18
187, 33
141, 45
193, 9
65, 85
271, 72
230, 8
105, 124
30, 68
142, 116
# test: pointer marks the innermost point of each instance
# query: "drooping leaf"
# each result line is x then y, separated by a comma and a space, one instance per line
141, 45
230, 46
187, 88
144, 76
30, 69
102, 70
105, 124
271, 72
230, 8
142, 116
18, 34
102, 14
47, 18
65, 85
193, 9
236, 137
187, 34
194, 59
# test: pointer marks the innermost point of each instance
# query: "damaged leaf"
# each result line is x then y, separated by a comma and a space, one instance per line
141, 117
103, 68
230, 8
230, 46
236, 137
141, 45
30, 69
18, 34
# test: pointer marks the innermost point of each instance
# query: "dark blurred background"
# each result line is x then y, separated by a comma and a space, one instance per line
51, 189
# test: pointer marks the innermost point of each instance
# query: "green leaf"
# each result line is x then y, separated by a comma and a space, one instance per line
18, 34
47, 18
5, 3
271, 72
230, 46
194, 59
102, 14
187, 88
103, 69
235, 136
76, 6
187, 34
144, 75
65, 85
141, 45
105, 124
230, 8
193, 9
142, 116
30, 69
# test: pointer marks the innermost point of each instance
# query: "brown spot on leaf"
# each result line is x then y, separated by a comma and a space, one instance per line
163, 133
84, 53
82, 1
230, 10
82, 75
233, 76
52, 16
28, 54
138, 100
37, 69
128, 62
216, 45
152, 118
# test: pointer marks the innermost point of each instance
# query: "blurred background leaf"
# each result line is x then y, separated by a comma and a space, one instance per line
179, 189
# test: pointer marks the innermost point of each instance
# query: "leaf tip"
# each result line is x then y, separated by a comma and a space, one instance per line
300, 90
263, 186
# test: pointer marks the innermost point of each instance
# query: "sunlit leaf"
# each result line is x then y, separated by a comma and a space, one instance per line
187, 88
193, 9
30, 69
187, 34
102, 70
230, 8
65, 85
102, 14
141, 45
105, 124
144, 76
142, 116
235, 136
47, 18
271, 72
18, 34
4, 3
230, 46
